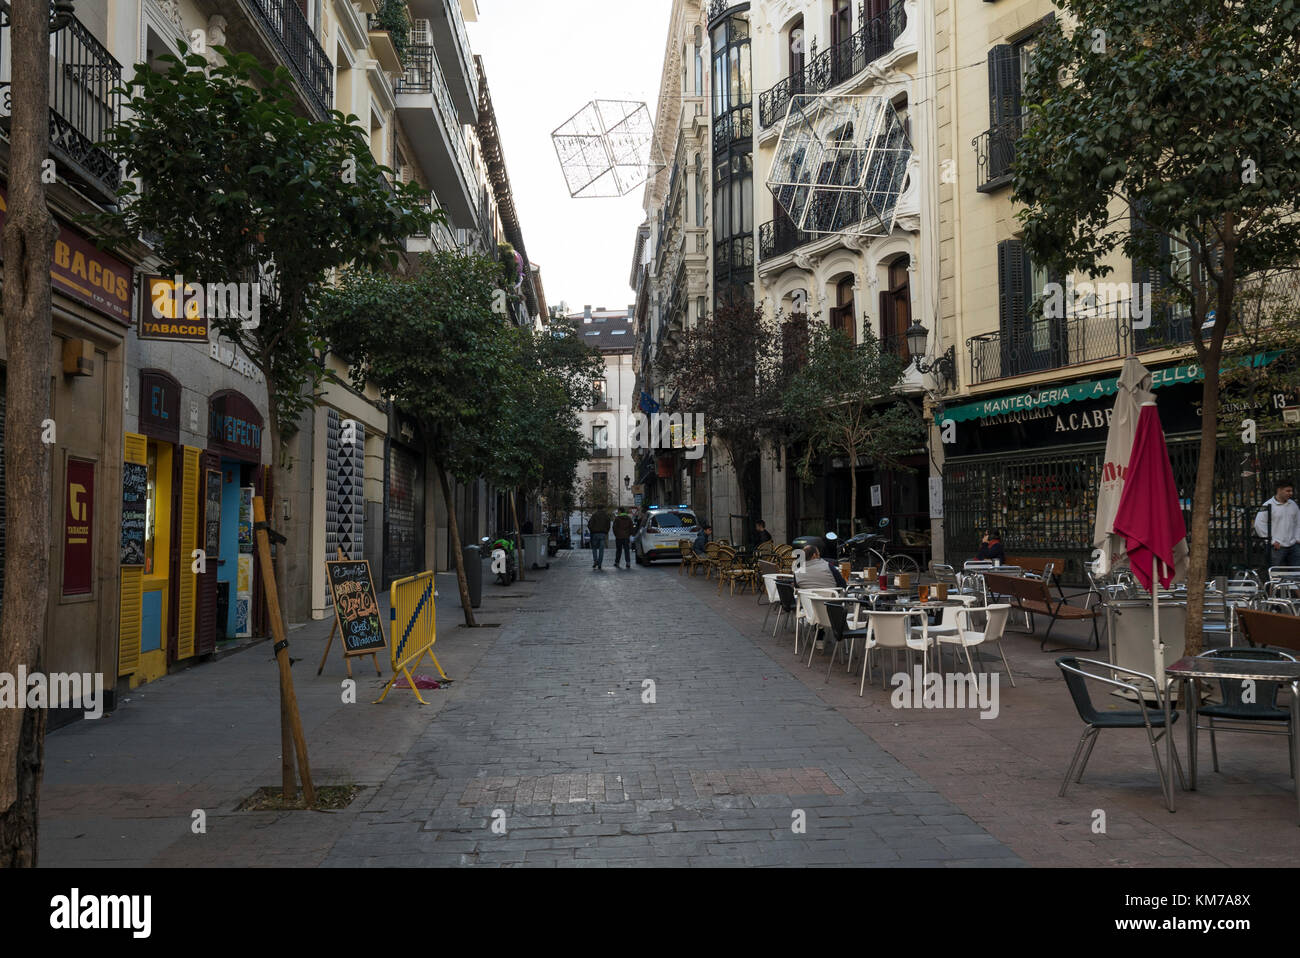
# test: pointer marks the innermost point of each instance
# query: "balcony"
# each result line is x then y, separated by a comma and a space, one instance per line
425, 106
835, 65
995, 150
83, 105
298, 48
385, 45
601, 452
780, 236
451, 44
1074, 340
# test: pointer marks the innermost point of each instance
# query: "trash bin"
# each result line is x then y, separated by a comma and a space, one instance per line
535, 551
473, 574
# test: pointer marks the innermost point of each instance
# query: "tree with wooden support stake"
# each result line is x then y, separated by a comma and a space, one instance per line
290, 720
234, 185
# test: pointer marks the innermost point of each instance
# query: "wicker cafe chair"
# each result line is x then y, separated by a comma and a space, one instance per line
765, 550
785, 557
731, 569
689, 559
710, 560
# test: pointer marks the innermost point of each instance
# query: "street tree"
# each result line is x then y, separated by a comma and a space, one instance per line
843, 401
1168, 130
234, 187
29, 235
432, 343
551, 379
728, 368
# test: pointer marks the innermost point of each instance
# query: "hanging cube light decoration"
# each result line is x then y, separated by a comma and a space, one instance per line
607, 149
840, 164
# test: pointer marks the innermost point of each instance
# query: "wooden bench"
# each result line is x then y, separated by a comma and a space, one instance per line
1038, 566
1035, 597
1272, 629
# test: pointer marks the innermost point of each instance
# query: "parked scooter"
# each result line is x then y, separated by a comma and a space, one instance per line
502, 555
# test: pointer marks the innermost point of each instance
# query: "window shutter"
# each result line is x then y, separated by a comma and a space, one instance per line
1004, 84
1013, 268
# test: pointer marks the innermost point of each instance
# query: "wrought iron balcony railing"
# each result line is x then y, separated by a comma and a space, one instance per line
424, 75
835, 65
1056, 343
995, 150
300, 49
83, 104
780, 236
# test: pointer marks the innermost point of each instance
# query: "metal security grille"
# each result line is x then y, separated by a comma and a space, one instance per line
2, 487
403, 515
1045, 503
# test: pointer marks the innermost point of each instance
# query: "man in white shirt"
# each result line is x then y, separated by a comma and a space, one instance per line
1278, 523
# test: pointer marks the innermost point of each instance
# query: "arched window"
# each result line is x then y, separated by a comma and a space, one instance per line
896, 308
842, 314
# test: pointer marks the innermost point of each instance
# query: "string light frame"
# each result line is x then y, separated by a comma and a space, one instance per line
607, 149
840, 164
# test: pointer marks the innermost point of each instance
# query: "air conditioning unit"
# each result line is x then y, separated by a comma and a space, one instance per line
1291, 415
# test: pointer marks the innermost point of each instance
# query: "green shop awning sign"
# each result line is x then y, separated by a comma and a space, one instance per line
1076, 392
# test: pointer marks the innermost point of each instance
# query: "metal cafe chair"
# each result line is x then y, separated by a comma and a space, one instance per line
788, 605
1283, 582
1143, 717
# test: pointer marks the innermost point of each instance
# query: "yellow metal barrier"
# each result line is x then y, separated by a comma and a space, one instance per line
413, 630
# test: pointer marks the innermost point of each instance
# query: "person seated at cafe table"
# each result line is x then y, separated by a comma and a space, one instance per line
817, 573
702, 540
991, 548
761, 534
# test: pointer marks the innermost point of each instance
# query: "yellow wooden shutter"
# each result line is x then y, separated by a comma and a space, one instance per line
185, 608
129, 618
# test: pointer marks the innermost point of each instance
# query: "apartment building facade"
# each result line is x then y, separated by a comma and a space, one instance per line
606, 423
1018, 445
162, 445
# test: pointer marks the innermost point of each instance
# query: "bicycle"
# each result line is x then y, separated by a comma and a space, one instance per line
872, 549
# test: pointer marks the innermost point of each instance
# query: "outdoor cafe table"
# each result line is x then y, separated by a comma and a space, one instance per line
1240, 670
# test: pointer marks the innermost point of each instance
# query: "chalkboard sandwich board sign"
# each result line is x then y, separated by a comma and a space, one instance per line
212, 515
355, 607
135, 496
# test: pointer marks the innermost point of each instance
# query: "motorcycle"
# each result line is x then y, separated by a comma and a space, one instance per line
502, 553
864, 549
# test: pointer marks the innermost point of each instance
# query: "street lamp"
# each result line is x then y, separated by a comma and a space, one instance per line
944, 366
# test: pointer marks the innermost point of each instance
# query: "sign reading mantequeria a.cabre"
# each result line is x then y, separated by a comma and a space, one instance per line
1076, 392
86, 274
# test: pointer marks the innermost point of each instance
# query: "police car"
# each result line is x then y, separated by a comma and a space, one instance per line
662, 530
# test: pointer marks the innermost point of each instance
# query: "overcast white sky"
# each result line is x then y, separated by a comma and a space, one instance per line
545, 60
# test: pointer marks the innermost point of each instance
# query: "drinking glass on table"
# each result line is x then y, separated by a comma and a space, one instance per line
923, 593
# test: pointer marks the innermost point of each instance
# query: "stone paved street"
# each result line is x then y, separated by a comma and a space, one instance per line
546, 751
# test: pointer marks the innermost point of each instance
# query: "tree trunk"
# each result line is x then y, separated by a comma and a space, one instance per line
29, 235
519, 538
454, 529
1198, 558
288, 773
18, 828
853, 489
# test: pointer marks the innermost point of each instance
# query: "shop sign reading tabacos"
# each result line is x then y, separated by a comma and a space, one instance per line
86, 274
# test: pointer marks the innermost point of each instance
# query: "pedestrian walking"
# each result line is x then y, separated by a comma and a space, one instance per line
623, 527
1278, 524
598, 526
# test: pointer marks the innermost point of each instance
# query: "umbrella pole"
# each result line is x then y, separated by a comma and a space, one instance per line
1163, 686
